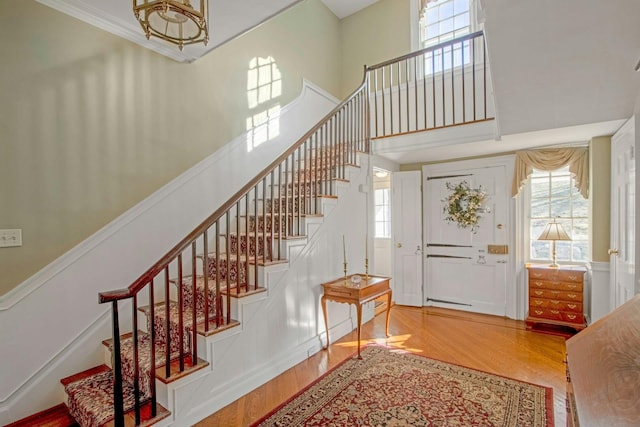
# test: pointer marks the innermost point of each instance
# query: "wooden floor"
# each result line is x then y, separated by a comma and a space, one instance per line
488, 343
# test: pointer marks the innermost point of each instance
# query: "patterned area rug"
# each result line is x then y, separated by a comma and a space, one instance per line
392, 388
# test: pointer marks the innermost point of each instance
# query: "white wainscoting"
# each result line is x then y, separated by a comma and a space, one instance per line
51, 325
598, 294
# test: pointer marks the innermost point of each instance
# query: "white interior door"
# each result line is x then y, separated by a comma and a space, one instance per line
460, 271
622, 245
406, 219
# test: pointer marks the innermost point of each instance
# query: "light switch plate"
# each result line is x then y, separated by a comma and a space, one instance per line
10, 238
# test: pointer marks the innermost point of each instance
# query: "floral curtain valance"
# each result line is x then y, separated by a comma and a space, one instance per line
552, 159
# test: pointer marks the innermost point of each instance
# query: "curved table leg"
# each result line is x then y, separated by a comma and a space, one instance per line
326, 323
388, 312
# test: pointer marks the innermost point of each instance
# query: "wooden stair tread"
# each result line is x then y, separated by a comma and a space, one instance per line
189, 368
145, 415
84, 374
215, 330
56, 416
234, 292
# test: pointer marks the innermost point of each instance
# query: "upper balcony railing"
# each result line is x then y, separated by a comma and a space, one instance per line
188, 291
440, 86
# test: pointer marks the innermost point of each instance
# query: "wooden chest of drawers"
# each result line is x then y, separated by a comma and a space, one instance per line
556, 296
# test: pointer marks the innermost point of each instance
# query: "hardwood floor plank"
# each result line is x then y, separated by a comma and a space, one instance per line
492, 344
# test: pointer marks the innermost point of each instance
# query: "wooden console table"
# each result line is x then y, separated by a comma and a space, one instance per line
343, 291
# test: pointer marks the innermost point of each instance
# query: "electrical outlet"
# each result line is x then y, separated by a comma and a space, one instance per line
10, 238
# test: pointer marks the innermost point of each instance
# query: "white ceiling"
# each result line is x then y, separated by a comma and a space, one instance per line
557, 66
344, 8
227, 20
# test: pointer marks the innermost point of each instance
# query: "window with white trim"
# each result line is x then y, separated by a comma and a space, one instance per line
443, 20
383, 212
553, 195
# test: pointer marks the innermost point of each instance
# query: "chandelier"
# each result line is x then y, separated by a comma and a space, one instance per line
175, 21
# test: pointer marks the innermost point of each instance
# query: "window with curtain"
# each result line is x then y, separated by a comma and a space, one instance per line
554, 195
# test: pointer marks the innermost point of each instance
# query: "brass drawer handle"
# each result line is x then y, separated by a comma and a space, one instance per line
573, 277
572, 296
572, 286
539, 311
538, 302
538, 292
572, 306
572, 316
536, 274
555, 311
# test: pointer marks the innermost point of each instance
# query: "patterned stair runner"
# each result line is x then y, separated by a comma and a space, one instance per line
90, 399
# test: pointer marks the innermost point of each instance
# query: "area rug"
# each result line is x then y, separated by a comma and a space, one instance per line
389, 387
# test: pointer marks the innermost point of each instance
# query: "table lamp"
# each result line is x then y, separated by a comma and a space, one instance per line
553, 231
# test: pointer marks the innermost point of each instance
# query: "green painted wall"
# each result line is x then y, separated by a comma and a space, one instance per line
374, 34
600, 191
91, 124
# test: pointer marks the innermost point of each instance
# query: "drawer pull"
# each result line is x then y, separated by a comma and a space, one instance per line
539, 293
572, 316
538, 284
537, 274
573, 277
572, 296
555, 311
572, 286
538, 302
572, 306
538, 312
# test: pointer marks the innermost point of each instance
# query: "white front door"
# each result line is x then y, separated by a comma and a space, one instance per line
460, 271
406, 220
622, 245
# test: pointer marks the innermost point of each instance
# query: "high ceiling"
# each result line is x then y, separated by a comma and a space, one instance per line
555, 65
227, 20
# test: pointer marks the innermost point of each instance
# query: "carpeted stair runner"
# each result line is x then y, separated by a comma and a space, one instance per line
90, 399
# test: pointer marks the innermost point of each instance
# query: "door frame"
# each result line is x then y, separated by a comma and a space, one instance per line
516, 287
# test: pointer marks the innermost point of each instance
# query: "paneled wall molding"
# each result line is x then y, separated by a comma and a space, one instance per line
598, 290
53, 324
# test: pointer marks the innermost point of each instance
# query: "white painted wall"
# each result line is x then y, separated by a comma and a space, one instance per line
287, 326
51, 325
597, 293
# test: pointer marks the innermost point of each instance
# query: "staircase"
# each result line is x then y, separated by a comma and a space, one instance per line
165, 324
193, 292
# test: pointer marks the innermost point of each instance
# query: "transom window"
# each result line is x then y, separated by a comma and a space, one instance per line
554, 196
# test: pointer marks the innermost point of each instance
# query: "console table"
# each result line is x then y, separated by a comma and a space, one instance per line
344, 291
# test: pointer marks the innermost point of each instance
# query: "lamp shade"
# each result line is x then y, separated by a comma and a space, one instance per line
554, 231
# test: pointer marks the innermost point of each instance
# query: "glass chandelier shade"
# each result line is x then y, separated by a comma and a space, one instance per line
175, 21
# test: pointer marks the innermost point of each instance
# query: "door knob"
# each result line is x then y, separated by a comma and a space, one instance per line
499, 226
398, 245
612, 252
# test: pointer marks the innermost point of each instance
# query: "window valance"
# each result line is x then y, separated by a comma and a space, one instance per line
549, 160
